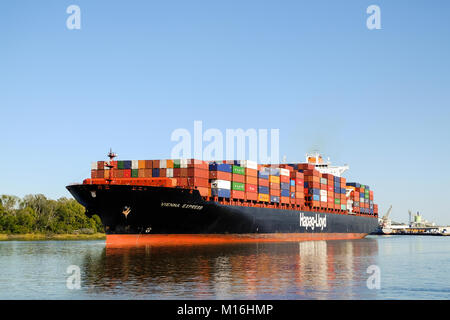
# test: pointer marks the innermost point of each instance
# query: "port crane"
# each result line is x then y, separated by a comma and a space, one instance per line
385, 222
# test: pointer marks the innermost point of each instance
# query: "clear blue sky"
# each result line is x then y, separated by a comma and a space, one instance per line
378, 100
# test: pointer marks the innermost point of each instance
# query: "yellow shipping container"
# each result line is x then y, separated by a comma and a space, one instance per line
263, 197
274, 179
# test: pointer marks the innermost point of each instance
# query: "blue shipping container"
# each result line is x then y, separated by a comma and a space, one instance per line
293, 183
316, 197
224, 193
274, 199
284, 186
155, 172
220, 167
262, 189
275, 172
264, 174
314, 191
285, 193
127, 164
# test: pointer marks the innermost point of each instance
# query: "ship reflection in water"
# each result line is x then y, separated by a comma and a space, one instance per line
298, 270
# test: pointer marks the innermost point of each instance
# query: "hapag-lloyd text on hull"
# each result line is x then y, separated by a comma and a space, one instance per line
315, 221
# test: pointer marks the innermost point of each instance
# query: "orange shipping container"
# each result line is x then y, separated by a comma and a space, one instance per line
238, 178
141, 164
274, 186
284, 199
251, 196
219, 175
251, 172
251, 180
237, 194
263, 182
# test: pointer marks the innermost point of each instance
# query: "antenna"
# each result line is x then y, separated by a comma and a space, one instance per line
111, 156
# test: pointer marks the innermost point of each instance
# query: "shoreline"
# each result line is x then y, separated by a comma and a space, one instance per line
43, 236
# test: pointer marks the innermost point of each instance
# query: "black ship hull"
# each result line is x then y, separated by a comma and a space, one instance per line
149, 211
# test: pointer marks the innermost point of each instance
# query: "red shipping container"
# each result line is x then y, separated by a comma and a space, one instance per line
299, 182
330, 188
163, 172
155, 164
197, 182
300, 202
203, 166
196, 172
285, 179
183, 172
219, 175
118, 173
127, 173
263, 182
251, 188
251, 196
148, 164
305, 166
311, 173
93, 174
237, 194
177, 172
297, 175
100, 165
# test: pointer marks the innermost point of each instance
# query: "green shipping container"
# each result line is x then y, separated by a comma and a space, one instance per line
176, 163
337, 201
343, 207
134, 173
120, 164
238, 186
239, 170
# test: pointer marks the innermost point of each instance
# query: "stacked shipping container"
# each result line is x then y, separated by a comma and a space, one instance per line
289, 184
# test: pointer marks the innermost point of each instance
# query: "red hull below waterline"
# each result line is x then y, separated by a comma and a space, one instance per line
120, 240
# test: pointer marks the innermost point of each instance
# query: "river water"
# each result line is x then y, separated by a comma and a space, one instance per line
377, 267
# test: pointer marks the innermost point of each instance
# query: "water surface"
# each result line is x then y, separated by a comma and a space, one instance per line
411, 267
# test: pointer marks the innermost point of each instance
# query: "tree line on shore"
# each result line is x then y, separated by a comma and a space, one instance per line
37, 214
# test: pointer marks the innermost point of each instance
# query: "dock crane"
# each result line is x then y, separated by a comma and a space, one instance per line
385, 222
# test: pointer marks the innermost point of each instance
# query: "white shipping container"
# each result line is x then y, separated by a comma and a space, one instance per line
249, 164
134, 164
221, 184
163, 164
323, 198
284, 172
323, 181
323, 193
169, 173
94, 166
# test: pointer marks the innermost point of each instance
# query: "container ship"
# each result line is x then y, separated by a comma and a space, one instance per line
186, 201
